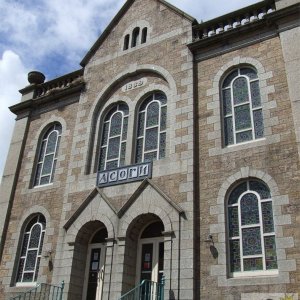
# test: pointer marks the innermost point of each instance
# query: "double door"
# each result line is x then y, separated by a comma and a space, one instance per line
151, 267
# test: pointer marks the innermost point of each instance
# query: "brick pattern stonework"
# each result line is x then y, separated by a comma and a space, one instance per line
189, 186
273, 160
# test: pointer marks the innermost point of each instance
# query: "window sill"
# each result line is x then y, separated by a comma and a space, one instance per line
26, 284
244, 143
250, 274
40, 188
43, 185
238, 147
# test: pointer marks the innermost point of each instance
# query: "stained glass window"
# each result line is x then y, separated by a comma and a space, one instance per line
47, 156
151, 128
242, 110
31, 250
114, 137
251, 233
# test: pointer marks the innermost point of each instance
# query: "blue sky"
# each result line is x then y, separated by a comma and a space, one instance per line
52, 36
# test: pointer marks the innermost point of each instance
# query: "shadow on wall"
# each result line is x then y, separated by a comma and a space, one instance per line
214, 252
171, 295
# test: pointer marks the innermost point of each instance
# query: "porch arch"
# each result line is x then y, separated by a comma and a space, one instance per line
84, 237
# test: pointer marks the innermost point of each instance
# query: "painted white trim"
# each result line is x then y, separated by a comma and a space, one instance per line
239, 238
254, 273
42, 185
234, 106
145, 128
109, 138
26, 284
102, 248
155, 257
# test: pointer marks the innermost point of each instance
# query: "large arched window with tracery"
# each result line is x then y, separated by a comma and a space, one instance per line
242, 108
31, 250
114, 138
47, 156
251, 234
151, 128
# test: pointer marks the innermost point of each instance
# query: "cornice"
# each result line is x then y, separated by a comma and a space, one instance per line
55, 97
267, 27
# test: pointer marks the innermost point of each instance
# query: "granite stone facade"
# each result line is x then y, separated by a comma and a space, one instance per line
188, 191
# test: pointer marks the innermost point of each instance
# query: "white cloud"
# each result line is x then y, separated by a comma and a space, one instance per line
50, 27
70, 27
12, 77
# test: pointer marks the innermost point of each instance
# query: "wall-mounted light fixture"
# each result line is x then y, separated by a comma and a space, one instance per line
209, 239
48, 254
212, 248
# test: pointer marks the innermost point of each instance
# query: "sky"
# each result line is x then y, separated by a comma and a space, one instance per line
52, 36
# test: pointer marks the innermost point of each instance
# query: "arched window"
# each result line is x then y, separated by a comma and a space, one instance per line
242, 110
48, 155
31, 250
251, 235
135, 36
151, 128
144, 35
114, 136
126, 42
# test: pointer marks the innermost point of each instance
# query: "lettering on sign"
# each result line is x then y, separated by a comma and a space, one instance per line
134, 84
124, 174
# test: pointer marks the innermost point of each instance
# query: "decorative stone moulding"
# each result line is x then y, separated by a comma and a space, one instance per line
233, 20
35, 77
58, 84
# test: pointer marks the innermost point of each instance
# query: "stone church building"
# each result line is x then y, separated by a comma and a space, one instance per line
170, 156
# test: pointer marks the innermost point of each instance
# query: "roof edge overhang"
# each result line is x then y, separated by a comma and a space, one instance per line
70, 85
115, 20
179, 12
32, 104
105, 33
96, 191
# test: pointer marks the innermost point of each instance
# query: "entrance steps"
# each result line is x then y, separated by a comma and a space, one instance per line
146, 290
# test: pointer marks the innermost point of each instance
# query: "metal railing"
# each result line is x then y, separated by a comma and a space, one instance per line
146, 290
42, 291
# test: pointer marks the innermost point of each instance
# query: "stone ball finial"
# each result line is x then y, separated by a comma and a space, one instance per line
35, 77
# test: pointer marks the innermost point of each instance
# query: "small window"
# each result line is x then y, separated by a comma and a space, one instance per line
151, 128
31, 250
126, 42
47, 155
242, 108
135, 36
144, 35
251, 233
114, 137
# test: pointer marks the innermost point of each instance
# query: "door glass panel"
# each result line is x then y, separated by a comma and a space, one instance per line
160, 262
147, 260
93, 274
